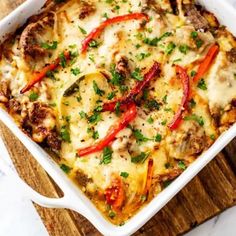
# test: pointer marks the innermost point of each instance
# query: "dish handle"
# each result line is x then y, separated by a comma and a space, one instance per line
29, 192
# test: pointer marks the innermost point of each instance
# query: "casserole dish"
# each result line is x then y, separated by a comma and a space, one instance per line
78, 202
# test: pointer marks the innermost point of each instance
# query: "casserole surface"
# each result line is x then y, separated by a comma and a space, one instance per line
209, 113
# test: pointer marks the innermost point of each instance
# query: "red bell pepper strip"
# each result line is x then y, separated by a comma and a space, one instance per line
115, 195
40, 75
152, 73
98, 31
186, 89
126, 118
207, 62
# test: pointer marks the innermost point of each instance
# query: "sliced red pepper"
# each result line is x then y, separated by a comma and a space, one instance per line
186, 90
115, 195
152, 73
207, 62
40, 75
98, 31
126, 118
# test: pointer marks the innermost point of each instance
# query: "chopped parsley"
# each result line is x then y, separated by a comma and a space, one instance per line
195, 37
97, 90
167, 183
111, 214
95, 118
170, 47
62, 59
155, 41
117, 78
136, 74
194, 117
95, 135
150, 120
152, 105
213, 137
158, 138
142, 56
117, 108
48, 46
75, 71
83, 115
140, 138
65, 135
143, 198
164, 99
111, 95
192, 103
194, 34
193, 73
164, 122
124, 174
182, 165
50, 75
184, 48
33, 97
65, 168
141, 158
82, 30
202, 84
93, 44
199, 43
106, 156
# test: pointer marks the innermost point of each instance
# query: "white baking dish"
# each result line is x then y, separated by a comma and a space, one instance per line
73, 198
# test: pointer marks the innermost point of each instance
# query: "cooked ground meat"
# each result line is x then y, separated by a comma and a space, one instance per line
82, 179
14, 106
87, 9
53, 140
39, 123
190, 141
194, 16
122, 66
29, 43
4, 92
231, 55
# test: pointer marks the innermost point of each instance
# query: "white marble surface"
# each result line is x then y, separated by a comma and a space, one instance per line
19, 217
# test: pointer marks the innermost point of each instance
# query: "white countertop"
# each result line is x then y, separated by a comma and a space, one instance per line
19, 217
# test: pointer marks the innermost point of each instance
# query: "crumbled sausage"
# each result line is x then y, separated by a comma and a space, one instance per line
188, 141
231, 55
87, 9
4, 92
53, 140
122, 65
14, 106
82, 179
29, 43
194, 16
39, 123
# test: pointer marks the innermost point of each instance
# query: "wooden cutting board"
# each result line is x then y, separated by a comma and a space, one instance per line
207, 195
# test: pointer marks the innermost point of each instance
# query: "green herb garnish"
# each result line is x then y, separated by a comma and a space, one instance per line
107, 155
65, 168
141, 158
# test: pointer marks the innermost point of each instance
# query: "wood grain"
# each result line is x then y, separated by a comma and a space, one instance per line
211, 192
